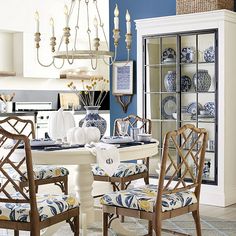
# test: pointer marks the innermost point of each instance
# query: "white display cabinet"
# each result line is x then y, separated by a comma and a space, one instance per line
171, 51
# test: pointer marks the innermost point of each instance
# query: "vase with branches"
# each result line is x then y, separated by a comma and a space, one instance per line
91, 102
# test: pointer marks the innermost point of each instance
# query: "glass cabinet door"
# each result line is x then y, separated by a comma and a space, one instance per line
180, 87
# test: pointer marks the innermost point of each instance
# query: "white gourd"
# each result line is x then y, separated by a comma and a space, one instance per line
92, 134
82, 136
79, 136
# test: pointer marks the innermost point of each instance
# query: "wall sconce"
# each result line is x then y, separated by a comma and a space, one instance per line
122, 83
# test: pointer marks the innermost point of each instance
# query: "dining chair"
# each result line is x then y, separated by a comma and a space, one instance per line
27, 211
126, 172
182, 163
43, 174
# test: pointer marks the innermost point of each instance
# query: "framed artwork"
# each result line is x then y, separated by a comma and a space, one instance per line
122, 79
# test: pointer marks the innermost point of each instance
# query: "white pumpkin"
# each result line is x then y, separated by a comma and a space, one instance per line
59, 123
75, 135
92, 134
82, 136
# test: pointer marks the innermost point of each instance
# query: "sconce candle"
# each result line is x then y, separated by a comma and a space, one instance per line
116, 18
37, 21
52, 25
66, 15
128, 23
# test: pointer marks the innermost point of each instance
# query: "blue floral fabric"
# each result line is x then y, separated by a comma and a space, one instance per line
144, 198
40, 172
48, 206
123, 170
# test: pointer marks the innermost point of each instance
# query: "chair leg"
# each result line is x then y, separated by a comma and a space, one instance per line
105, 224
196, 217
66, 185
157, 227
150, 228
16, 233
76, 225
146, 179
35, 232
122, 187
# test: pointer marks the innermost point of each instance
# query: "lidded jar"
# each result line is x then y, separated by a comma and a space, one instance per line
202, 81
170, 81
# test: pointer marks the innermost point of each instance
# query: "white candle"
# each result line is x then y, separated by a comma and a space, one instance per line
52, 25
37, 21
128, 23
66, 15
116, 18
95, 22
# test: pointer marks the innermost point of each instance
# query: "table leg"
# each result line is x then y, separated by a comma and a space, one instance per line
83, 188
88, 214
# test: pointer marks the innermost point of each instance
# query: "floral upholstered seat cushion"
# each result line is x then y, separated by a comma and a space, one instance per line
40, 172
48, 206
144, 198
123, 170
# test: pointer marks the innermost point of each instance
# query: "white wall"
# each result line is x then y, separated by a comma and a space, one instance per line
6, 55
18, 16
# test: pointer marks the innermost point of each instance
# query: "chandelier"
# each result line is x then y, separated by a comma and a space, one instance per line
70, 53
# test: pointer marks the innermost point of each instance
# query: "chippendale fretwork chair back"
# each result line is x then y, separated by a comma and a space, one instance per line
134, 121
139, 171
179, 184
17, 125
19, 210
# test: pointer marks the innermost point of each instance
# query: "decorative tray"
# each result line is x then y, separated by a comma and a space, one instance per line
117, 139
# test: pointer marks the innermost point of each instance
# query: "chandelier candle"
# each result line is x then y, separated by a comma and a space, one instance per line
66, 15
37, 21
95, 22
52, 25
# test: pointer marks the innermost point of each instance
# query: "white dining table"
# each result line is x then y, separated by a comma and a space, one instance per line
83, 178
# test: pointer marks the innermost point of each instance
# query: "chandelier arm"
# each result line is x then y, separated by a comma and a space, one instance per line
112, 59
59, 67
101, 23
67, 57
77, 25
89, 32
40, 63
94, 67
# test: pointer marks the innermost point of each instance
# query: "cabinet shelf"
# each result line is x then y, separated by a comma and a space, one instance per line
181, 63
190, 92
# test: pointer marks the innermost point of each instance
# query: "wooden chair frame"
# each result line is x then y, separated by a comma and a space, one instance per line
35, 225
122, 183
28, 129
174, 184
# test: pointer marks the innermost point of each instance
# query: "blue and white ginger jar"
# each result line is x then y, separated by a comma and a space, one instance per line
202, 81
170, 81
93, 119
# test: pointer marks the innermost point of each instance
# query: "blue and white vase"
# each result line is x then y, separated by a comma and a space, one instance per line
170, 81
93, 119
202, 81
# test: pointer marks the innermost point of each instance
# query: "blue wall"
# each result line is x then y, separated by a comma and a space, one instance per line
138, 9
